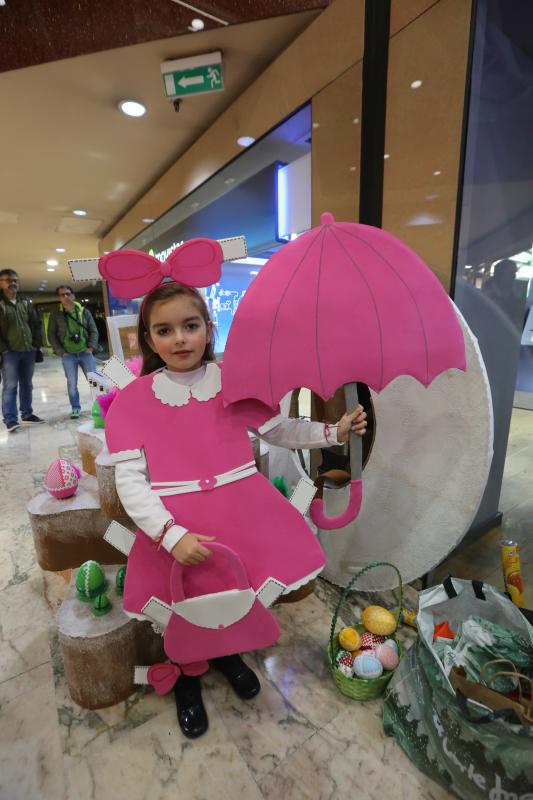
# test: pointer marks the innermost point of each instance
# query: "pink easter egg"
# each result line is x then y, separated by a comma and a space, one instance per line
387, 656
61, 479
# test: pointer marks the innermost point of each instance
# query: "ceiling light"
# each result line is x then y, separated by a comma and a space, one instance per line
352, 169
245, 141
50, 269
60, 250
387, 155
229, 181
355, 120
437, 172
79, 212
52, 262
131, 108
316, 124
416, 84
196, 25
148, 220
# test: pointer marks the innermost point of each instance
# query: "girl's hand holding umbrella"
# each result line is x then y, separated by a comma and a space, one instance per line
354, 422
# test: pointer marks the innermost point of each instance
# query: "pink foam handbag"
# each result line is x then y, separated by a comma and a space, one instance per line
220, 623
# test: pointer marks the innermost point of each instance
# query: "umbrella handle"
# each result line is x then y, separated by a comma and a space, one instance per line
316, 510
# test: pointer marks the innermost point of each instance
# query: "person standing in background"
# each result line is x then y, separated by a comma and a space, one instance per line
20, 339
74, 336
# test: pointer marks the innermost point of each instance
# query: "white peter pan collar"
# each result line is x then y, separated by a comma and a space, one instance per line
171, 393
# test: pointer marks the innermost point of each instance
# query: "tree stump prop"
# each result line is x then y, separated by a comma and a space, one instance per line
109, 499
100, 653
68, 532
91, 442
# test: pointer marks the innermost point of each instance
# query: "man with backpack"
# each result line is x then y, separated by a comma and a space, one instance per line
20, 340
73, 335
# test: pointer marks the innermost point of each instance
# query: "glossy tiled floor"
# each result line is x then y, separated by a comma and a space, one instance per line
299, 739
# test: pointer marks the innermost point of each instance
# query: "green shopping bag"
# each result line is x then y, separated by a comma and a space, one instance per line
472, 751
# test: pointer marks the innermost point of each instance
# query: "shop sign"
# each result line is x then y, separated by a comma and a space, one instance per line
196, 75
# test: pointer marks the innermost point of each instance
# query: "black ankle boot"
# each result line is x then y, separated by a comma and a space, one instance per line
241, 678
191, 712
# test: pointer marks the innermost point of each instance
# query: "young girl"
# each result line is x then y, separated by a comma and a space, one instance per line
186, 476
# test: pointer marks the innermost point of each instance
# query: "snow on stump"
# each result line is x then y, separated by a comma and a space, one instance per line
100, 652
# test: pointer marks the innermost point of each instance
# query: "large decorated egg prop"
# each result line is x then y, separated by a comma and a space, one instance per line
61, 479
90, 581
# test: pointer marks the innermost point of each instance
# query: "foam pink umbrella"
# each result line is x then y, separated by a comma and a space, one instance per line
342, 303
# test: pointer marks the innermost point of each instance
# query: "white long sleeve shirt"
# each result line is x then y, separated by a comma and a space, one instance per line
146, 508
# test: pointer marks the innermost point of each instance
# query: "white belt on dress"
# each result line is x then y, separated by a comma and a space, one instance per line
167, 488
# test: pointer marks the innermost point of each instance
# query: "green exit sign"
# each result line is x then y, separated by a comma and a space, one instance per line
196, 75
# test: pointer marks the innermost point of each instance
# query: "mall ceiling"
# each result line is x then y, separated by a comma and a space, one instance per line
65, 145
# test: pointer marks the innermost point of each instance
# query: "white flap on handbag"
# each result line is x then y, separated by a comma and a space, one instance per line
216, 610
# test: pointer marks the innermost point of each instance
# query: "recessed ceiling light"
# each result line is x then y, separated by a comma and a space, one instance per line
437, 172
416, 84
316, 124
196, 25
387, 155
352, 169
60, 250
131, 108
148, 220
50, 269
245, 141
355, 120
79, 212
52, 262
229, 181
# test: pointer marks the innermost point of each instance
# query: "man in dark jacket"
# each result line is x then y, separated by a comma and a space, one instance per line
20, 337
74, 336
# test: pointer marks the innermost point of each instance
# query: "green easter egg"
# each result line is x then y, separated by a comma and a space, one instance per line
90, 580
119, 580
101, 605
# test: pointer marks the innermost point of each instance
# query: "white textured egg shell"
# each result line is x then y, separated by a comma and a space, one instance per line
367, 666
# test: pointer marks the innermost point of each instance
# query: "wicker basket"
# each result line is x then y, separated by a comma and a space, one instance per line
359, 688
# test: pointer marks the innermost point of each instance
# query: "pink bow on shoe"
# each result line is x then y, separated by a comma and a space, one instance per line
132, 273
163, 677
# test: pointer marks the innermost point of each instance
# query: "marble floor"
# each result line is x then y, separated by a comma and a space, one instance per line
299, 739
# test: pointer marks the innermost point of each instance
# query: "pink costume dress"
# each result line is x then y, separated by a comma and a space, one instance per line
195, 447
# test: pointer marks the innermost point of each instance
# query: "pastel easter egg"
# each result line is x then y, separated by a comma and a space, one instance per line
378, 620
387, 656
349, 639
61, 479
367, 666
392, 643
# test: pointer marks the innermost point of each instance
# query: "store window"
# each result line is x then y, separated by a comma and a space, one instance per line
493, 286
264, 194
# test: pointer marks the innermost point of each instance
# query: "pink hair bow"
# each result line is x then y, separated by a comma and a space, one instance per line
163, 677
132, 273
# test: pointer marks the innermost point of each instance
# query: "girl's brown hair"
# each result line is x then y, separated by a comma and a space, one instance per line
151, 360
